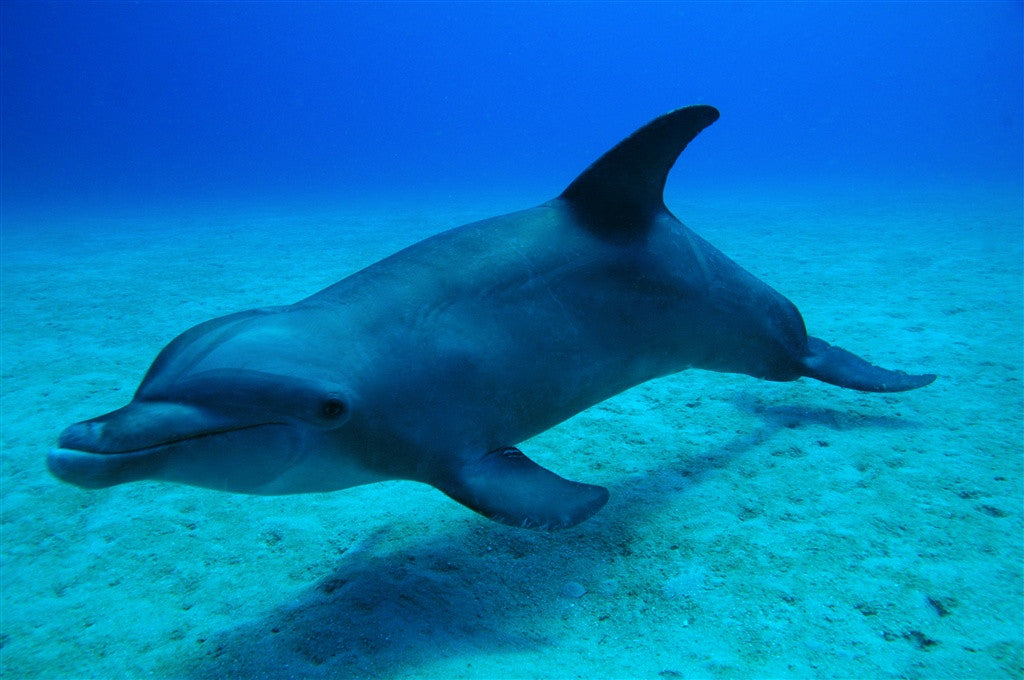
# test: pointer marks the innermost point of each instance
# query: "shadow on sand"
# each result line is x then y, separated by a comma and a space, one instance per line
483, 589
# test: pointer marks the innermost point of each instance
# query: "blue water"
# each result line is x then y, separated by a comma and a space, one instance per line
138, 104
162, 164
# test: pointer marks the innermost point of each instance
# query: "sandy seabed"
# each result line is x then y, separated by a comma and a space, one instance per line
755, 529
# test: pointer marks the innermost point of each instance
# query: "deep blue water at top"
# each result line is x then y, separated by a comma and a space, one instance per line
107, 106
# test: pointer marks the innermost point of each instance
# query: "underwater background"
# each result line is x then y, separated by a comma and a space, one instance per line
165, 163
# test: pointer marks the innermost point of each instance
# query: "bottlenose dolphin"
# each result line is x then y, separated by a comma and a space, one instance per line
432, 364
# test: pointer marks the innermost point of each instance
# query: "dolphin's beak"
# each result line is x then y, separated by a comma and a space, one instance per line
130, 443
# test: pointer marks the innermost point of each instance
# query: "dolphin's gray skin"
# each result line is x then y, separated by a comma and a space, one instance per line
432, 364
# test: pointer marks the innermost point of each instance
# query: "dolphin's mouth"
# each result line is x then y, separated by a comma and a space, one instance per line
93, 455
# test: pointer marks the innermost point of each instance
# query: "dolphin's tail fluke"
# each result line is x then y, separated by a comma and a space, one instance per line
836, 366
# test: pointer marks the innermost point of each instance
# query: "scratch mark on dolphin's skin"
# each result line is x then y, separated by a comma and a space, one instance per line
565, 313
546, 280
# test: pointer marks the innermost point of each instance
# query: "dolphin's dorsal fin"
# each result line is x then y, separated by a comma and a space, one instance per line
622, 190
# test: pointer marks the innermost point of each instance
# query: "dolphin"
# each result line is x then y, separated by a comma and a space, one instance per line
434, 363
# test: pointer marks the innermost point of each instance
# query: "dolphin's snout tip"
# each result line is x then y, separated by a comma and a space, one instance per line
80, 458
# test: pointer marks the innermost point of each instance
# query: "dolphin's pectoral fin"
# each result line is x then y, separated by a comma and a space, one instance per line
836, 366
506, 486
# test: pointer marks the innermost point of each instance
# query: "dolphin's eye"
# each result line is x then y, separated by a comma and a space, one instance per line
333, 408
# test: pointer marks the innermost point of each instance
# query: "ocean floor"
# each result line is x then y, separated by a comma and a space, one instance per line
755, 529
